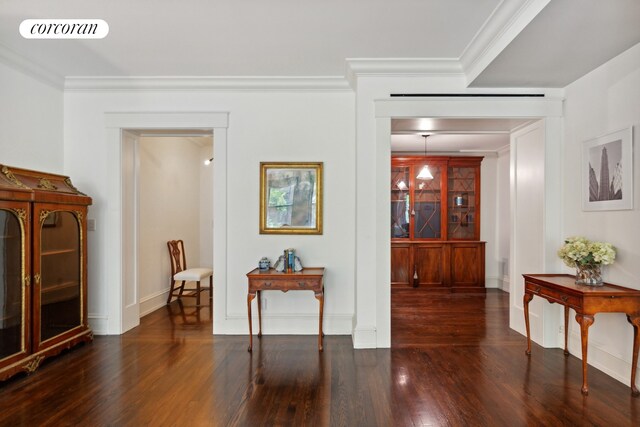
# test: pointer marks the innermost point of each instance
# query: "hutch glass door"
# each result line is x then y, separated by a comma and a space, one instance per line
427, 207
400, 202
12, 292
60, 290
462, 202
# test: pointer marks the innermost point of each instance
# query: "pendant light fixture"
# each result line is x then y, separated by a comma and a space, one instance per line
425, 173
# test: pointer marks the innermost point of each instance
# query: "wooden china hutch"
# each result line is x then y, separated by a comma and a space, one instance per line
435, 224
43, 268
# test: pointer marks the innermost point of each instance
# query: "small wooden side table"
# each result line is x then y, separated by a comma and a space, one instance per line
587, 301
309, 279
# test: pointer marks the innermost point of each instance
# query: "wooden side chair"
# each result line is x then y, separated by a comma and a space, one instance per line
180, 273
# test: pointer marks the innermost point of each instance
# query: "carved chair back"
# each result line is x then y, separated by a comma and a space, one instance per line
178, 259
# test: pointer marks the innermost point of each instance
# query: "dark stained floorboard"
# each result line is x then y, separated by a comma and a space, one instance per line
454, 362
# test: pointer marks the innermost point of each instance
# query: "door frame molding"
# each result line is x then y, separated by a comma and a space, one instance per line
115, 123
373, 306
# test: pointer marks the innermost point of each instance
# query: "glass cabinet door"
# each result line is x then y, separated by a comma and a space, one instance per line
13, 297
461, 202
400, 202
427, 207
60, 281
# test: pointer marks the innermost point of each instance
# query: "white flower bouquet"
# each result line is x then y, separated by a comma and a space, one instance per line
579, 252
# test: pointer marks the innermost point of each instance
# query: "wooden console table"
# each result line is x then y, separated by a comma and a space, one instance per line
586, 301
309, 279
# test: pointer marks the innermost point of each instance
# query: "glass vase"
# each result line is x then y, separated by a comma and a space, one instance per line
590, 275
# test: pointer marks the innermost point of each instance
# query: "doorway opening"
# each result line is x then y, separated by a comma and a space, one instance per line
122, 304
167, 195
451, 232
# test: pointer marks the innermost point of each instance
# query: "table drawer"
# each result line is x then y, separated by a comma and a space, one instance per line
284, 285
555, 296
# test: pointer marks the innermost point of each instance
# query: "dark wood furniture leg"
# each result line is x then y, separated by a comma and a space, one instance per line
259, 293
173, 285
198, 293
250, 298
585, 321
320, 297
566, 330
525, 302
634, 319
210, 289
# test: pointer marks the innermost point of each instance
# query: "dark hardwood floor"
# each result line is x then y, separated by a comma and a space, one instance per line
454, 362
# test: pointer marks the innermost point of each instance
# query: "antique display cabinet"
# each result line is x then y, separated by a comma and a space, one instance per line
435, 224
43, 273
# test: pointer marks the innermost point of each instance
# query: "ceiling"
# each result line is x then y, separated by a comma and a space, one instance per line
566, 40
561, 40
452, 135
244, 37
518, 43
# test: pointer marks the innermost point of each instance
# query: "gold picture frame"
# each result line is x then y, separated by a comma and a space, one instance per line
291, 197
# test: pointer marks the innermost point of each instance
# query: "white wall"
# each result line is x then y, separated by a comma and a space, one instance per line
206, 205
527, 185
30, 122
605, 100
488, 218
168, 209
503, 222
263, 126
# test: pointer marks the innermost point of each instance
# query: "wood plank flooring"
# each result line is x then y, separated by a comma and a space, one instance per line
454, 362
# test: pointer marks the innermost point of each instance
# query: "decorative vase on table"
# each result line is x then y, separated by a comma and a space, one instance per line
587, 258
589, 275
264, 264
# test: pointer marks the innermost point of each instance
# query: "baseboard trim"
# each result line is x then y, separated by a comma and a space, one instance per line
365, 337
98, 324
286, 324
505, 283
152, 302
491, 282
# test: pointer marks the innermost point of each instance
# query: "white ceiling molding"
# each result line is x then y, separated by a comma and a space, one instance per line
504, 24
400, 67
459, 153
504, 150
248, 83
446, 107
30, 68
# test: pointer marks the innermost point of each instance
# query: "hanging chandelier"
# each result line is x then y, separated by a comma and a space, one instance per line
425, 173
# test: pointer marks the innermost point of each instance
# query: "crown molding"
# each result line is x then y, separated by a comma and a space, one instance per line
508, 19
249, 83
503, 150
30, 68
400, 67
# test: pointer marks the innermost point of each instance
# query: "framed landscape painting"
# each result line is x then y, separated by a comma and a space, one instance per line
607, 172
290, 198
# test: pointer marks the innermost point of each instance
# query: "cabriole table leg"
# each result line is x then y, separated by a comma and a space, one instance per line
250, 298
635, 321
585, 321
525, 302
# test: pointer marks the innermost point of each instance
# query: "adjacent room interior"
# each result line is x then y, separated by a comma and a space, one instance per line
472, 157
174, 197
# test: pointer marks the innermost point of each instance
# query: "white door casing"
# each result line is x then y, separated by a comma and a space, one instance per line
120, 216
130, 294
372, 323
